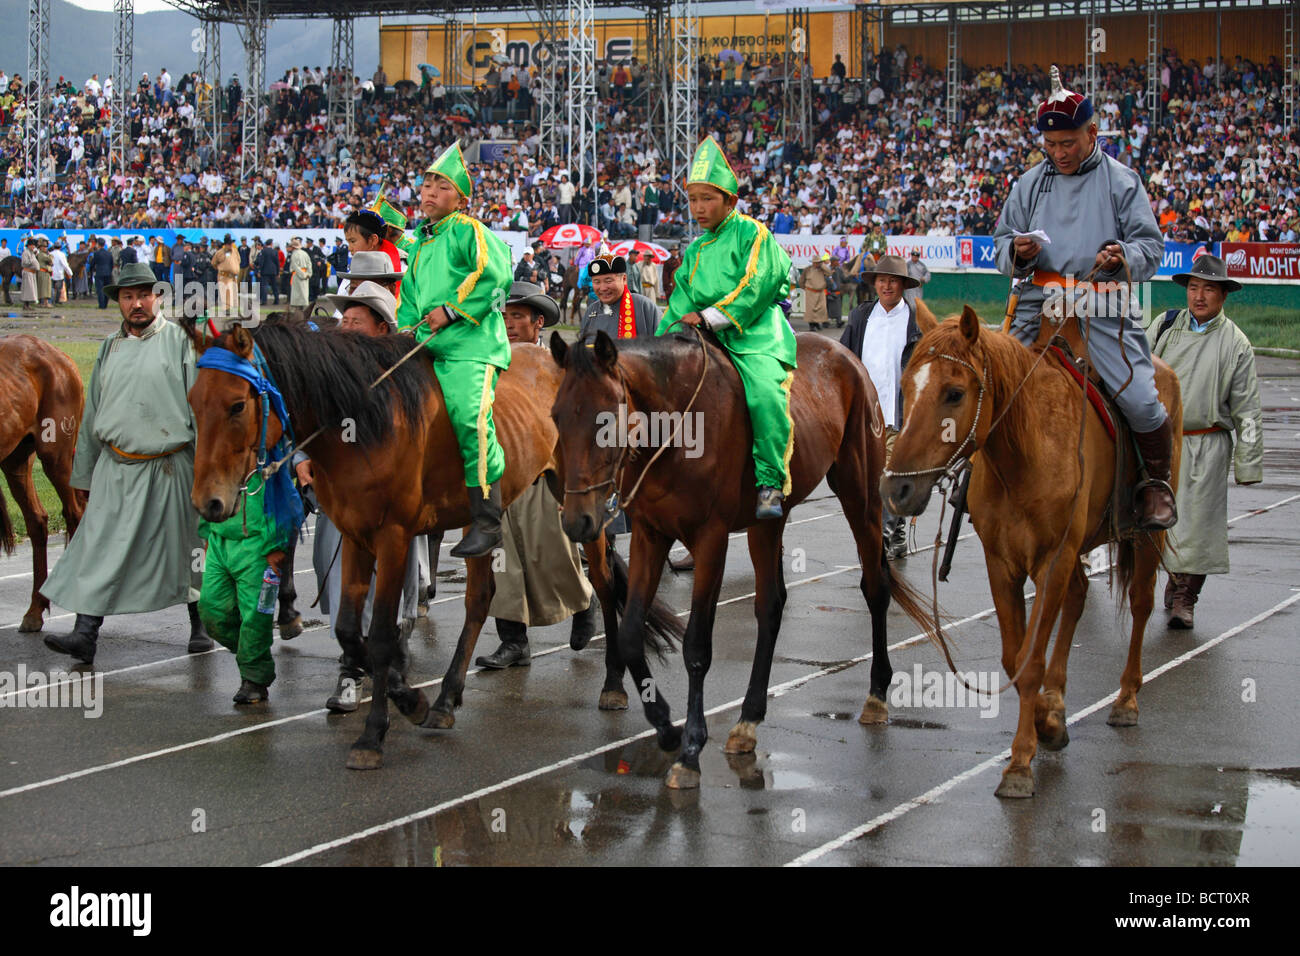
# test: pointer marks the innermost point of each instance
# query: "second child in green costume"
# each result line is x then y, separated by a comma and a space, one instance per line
456, 284
732, 278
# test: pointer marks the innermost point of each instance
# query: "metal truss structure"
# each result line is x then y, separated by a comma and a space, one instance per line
252, 31
797, 82
36, 119
953, 103
582, 99
683, 108
1153, 67
658, 67
342, 106
207, 105
1292, 67
549, 90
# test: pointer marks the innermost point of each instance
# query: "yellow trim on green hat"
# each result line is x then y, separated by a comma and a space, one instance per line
710, 167
451, 167
389, 212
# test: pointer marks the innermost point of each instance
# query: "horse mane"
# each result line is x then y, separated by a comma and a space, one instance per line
331, 372
1008, 363
664, 354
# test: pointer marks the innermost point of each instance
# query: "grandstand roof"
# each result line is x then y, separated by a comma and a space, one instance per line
233, 11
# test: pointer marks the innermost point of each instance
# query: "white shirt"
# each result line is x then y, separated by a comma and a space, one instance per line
882, 354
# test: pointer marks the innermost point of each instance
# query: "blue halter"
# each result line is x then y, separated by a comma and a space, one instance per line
283, 504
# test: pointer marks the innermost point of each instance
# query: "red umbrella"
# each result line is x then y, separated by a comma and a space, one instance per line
629, 247
570, 236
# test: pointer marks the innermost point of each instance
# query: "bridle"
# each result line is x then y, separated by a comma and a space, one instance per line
612, 505
950, 469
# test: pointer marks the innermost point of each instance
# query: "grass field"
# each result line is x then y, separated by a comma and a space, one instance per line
1265, 327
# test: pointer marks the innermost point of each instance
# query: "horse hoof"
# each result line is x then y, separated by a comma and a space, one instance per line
359, 759
1049, 740
613, 700
874, 711
31, 623
670, 739
438, 719
1122, 716
420, 711
743, 738
291, 629
682, 778
1016, 785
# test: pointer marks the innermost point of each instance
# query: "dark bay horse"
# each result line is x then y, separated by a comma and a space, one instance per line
699, 498
40, 413
572, 312
386, 468
1024, 505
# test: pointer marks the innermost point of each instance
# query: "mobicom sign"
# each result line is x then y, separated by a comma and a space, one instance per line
1262, 260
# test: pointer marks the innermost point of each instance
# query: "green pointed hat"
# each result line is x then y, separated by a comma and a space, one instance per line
710, 166
391, 214
451, 166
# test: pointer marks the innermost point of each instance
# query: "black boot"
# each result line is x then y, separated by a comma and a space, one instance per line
251, 693
895, 538
347, 691
80, 644
485, 530
199, 640
584, 625
513, 651
1154, 496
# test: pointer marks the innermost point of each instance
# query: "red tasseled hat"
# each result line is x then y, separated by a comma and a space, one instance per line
1063, 109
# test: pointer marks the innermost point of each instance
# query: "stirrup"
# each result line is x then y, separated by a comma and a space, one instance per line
1147, 525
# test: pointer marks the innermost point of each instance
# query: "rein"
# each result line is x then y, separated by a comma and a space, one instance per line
615, 478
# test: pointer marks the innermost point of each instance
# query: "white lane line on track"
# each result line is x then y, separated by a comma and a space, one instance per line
775, 691
189, 745
935, 792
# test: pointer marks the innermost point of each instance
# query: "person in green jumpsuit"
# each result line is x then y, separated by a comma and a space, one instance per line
732, 278
453, 292
240, 549
395, 221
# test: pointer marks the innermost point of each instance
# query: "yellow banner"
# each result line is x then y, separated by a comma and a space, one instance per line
465, 55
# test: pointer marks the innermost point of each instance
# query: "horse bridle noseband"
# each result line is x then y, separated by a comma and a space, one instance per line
616, 472
953, 467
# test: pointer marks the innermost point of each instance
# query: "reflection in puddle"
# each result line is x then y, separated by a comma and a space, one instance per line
1271, 834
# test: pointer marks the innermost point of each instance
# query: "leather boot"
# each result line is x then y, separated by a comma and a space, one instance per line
485, 528
81, 643
895, 538
1170, 586
584, 625
199, 639
1188, 589
1154, 496
513, 651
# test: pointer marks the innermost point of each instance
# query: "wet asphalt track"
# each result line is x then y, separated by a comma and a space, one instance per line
534, 773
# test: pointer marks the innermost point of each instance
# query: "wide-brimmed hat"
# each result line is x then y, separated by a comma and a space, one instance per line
533, 296
132, 274
370, 294
1211, 269
893, 266
375, 266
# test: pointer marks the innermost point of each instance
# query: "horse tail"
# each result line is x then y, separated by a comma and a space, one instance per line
912, 603
8, 541
663, 628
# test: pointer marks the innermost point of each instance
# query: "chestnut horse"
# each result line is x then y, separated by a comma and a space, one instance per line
698, 492
386, 467
39, 417
1037, 499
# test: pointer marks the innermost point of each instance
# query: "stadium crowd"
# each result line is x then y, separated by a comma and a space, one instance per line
883, 157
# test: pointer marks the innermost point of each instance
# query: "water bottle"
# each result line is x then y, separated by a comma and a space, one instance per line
270, 591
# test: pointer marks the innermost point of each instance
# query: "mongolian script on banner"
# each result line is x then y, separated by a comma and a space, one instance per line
1262, 260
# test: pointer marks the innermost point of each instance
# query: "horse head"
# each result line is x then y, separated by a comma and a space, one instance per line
944, 393
227, 422
586, 413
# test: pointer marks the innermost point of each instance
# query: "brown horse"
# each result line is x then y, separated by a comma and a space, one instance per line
39, 417
702, 489
386, 468
572, 311
1037, 498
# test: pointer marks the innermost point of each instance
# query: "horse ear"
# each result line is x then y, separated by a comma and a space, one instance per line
606, 351
970, 324
242, 340
559, 348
